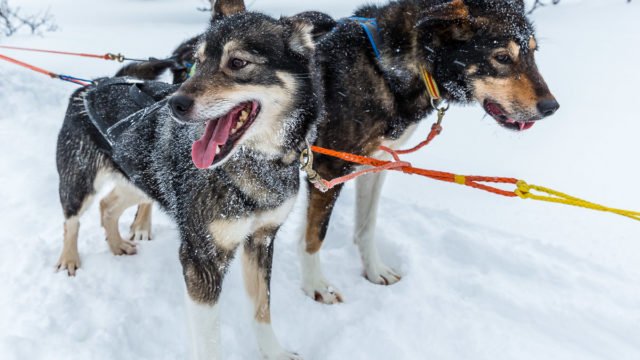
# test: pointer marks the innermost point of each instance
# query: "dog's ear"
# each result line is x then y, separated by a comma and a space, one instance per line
300, 37
450, 18
447, 11
222, 8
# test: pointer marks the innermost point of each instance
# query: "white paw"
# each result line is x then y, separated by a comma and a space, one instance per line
381, 274
69, 262
123, 247
322, 292
140, 235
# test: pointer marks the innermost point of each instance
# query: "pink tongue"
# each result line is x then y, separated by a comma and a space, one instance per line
203, 151
525, 125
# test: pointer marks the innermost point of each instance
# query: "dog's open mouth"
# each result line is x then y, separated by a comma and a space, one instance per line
497, 112
222, 134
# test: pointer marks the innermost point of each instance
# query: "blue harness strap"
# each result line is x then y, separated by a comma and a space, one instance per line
371, 28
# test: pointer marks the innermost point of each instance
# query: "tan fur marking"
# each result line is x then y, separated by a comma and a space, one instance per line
533, 44
459, 10
514, 50
142, 221
472, 70
70, 259
257, 289
318, 210
112, 206
228, 234
509, 93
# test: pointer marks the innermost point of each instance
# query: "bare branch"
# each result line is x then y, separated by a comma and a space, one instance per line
12, 21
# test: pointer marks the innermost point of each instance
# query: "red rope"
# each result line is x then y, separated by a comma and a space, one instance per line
398, 165
105, 56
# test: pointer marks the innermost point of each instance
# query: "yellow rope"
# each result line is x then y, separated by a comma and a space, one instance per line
524, 191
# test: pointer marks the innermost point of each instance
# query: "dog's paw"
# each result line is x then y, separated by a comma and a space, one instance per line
123, 247
140, 234
69, 262
381, 274
323, 292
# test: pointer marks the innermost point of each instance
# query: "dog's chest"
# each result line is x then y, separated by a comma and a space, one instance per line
228, 233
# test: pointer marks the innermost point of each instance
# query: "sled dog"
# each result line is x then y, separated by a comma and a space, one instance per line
219, 155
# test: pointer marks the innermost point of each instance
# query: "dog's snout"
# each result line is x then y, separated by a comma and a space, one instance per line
180, 105
548, 107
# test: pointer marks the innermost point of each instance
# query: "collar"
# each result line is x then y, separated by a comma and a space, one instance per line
372, 30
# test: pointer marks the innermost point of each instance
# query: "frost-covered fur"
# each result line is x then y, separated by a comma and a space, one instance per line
477, 50
372, 102
241, 201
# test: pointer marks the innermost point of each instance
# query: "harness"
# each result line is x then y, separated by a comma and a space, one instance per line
112, 114
372, 30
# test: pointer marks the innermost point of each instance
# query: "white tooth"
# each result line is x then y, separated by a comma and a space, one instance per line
217, 149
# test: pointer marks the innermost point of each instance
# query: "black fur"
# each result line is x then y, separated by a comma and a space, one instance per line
155, 154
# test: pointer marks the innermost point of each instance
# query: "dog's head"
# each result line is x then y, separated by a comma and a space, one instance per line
251, 88
483, 50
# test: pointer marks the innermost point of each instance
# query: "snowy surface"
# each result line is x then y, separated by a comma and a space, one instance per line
484, 277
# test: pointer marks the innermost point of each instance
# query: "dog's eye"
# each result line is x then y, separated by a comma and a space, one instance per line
504, 59
237, 64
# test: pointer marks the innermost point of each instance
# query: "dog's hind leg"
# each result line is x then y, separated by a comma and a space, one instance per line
368, 190
141, 226
76, 190
256, 264
112, 206
70, 258
319, 211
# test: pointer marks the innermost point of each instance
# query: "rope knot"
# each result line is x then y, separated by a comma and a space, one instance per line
524, 190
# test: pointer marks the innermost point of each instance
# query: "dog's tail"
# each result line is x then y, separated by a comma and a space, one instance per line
179, 64
322, 23
147, 70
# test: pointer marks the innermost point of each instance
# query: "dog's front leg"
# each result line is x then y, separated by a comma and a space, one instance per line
256, 264
314, 284
368, 189
204, 265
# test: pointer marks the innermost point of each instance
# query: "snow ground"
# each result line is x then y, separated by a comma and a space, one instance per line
484, 277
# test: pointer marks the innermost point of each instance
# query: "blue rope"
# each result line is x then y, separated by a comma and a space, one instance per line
364, 22
73, 79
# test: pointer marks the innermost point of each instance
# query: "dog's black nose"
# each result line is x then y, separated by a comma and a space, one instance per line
548, 107
180, 105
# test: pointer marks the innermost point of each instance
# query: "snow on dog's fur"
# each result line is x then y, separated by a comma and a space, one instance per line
220, 158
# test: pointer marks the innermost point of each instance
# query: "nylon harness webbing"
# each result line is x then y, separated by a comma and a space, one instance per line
149, 106
371, 29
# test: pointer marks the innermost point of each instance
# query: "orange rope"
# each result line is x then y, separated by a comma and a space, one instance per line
377, 165
381, 165
53, 75
30, 67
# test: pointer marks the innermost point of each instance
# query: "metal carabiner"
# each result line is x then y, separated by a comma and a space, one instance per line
306, 165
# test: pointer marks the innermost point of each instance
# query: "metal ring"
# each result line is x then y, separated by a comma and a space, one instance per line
436, 107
